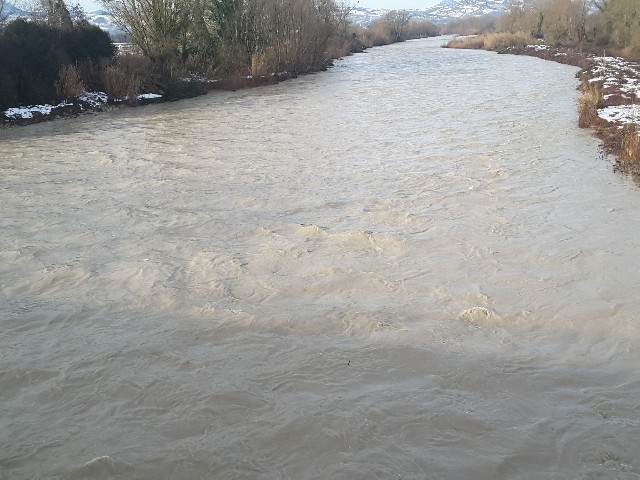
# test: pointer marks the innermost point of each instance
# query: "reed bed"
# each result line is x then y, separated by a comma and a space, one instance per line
498, 41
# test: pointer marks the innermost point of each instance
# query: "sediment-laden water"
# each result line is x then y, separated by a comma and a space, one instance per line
414, 265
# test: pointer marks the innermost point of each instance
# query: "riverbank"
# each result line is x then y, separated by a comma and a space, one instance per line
91, 103
609, 86
194, 85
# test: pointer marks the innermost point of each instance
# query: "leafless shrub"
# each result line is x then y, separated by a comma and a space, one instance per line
264, 62
69, 84
128, 76
120, 86
232, 60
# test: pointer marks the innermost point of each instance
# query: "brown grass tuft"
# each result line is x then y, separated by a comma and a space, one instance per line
69, 85
475, 42
502, 40
493, 41
629, 156
588, 104
121, 86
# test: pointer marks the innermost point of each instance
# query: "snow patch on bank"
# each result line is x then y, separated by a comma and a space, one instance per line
622, 114
92, 99
28, 112
148, 96
95, 99
619, 78
618, 73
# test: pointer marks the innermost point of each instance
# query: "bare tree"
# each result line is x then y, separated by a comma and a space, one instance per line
156, 26
397, 20
57, 14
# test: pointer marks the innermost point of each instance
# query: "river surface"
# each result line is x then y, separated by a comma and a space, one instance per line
413, 265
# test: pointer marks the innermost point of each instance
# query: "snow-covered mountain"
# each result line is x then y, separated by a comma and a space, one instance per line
105, 21
441, 13
454, 9
100, 18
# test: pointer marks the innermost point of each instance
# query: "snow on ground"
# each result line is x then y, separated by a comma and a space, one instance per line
27, 112
93, 99
618, 77
618, 73
148, 96
622, 114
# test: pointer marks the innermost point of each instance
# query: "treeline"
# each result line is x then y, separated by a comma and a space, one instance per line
611, 25
254, 37
232, 37
57, 54
394, 26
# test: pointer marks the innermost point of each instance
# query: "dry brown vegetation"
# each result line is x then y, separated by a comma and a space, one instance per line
588, 103
69, 83
472, 42
499, 41
629, 155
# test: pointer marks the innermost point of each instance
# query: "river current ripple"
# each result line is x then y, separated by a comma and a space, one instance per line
413, 265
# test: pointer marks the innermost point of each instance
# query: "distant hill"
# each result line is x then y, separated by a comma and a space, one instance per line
455, 9
100, 18
443, 12
104, 20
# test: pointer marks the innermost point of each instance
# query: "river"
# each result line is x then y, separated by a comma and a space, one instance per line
413, 265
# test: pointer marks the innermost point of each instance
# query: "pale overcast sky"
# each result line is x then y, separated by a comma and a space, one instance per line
91, 5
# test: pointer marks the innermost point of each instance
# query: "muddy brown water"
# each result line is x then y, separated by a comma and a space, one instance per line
413, 265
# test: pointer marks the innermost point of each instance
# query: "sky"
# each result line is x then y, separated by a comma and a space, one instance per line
91, 5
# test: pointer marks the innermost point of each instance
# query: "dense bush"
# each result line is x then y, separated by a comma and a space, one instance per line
33, 54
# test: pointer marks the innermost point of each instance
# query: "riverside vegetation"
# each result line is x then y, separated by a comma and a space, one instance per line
180, 48
577, 32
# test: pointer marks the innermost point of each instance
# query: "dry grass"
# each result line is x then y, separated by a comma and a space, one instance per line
629, 155
497, 41
120, 85
588, 104
69, 85
493, 41
475, 42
